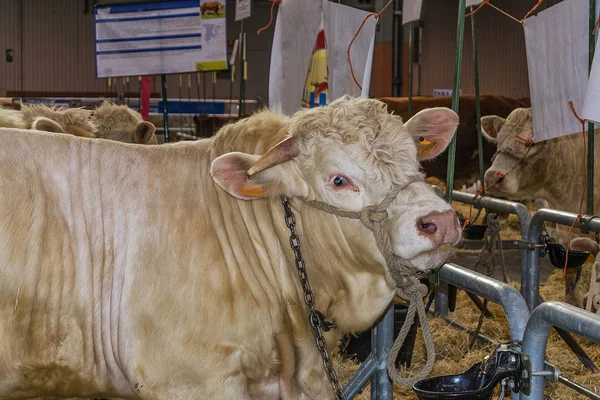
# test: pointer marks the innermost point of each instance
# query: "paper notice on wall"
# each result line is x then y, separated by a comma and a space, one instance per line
556, 42
160, 38
411, 10
341, 25
242, 9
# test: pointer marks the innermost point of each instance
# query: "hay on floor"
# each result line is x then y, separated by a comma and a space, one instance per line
453, 356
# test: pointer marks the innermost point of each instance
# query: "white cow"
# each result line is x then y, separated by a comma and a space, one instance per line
165, 272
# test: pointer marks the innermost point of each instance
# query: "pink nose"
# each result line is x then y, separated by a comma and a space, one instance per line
439, 228
493, 178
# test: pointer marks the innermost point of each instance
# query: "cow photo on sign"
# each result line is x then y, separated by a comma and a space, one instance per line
165, 272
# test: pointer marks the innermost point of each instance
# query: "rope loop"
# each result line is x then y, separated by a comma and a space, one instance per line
414, 293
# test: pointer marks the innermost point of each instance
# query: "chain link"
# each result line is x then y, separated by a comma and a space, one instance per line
315, 318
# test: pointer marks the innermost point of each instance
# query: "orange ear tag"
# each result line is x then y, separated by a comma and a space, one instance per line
252, 190
590, 259
424, 146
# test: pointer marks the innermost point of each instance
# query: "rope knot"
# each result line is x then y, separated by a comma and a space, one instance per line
413, 290
371, 215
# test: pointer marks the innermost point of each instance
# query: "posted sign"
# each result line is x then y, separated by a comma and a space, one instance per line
160, 38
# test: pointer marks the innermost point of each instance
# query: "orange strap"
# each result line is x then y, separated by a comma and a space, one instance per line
521, 21
582, 121
374, 15
273, 2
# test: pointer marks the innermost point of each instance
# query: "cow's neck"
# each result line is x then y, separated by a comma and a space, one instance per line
345, 268
564, 178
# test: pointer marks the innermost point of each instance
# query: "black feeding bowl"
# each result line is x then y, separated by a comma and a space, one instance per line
558, 254
465, 386
473, 231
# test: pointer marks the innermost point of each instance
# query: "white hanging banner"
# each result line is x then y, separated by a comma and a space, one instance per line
309, 33
556, 41
591, 103
242, 9
296, 28
411, 10
473, 2
341, 25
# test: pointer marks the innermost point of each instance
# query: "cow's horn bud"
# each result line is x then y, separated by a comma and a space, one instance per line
280, 153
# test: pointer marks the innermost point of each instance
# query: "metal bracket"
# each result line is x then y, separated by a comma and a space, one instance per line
550, 373
531, 246
584, 223
524, 244
434, 277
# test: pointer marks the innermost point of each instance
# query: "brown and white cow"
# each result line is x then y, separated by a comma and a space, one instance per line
550, 172
108, 290
122, 124
109, 121
466, 166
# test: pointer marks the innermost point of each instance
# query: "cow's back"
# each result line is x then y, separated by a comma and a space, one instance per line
73, 219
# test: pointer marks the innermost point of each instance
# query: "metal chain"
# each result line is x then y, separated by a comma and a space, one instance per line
316, 319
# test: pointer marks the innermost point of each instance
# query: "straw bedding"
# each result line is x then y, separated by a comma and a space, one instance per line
454, 357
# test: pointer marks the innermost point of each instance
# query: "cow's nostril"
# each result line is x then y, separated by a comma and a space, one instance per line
427, 227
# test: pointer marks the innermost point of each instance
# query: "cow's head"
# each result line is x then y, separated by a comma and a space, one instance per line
517, 169
350, 154
122, 124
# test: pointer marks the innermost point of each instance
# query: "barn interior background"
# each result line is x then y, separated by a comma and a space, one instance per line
55, 38
47, 49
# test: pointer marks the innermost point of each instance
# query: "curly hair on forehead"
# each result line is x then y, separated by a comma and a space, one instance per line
519, 116
368, 133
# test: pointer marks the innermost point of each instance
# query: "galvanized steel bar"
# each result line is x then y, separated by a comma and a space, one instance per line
361, 377
578, 388
531, 274
499, 292
590, 141
497, 205
477, 101
512, 207
381, 384
375, 366
546, 315
441, 299
163, 80
460, 36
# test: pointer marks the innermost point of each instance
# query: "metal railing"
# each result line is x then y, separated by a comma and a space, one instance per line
530, 276
374, 367
518, 209
543, 318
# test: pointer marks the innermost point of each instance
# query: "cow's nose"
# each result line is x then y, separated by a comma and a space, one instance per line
493, 177
439, 228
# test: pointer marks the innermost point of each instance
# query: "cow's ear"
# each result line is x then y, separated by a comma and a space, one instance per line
432, 129
490, 126
144, 131
230, 172
585, 244
47, 125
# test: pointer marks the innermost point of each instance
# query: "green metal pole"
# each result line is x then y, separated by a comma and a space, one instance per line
590, 155
477, 101
163, 79
410, 68
240, 56
460, 36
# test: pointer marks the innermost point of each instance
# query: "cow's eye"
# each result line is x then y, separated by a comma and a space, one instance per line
339, 180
